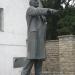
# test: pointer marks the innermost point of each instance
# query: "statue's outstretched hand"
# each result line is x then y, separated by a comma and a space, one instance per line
52, 11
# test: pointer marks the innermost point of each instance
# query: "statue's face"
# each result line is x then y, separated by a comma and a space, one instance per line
34, 3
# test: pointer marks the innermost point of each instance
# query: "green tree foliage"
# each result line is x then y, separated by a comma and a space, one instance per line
66, 23
62, 23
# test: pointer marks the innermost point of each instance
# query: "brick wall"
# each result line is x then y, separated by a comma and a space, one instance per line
67, 55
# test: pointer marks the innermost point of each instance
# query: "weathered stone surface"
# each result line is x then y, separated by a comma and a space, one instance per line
67, 54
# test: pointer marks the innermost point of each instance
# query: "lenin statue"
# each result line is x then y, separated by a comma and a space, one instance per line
36, 32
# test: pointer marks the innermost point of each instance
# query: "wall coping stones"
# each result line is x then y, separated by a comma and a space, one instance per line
67, 37
52, 41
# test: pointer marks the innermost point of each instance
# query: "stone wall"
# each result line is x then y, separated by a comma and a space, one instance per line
67, 55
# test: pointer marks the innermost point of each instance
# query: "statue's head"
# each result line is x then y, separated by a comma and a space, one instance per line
34, 3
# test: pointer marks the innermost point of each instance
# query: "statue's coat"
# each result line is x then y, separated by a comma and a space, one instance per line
36, 32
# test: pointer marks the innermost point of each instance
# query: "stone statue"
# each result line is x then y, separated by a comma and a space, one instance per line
36, 23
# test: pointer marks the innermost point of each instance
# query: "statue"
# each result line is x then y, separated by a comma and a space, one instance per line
36, 23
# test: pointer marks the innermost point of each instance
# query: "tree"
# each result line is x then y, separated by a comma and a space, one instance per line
66, 23
63, 22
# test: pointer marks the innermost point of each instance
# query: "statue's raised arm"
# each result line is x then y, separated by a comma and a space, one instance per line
37, 10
